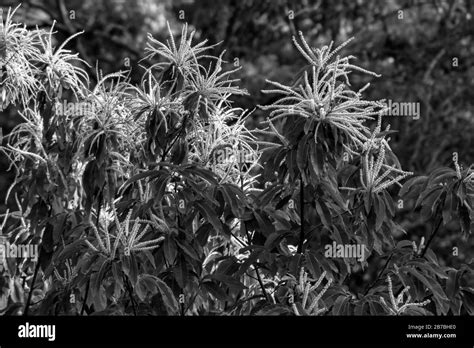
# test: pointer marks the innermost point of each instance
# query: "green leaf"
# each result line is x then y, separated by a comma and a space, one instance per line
302, 153
265, 225
273, 239
146, 284
202, 234
440, 298
367, 203
312, 265
275, 309
269, 193
180, 272
188, 250
467, 298
284, 201
316, 161
253, 257
215, 290
461, 192
465, 219
291, 164
430, 268
415, 181
70, 249
447, 210
328, 265
210, 216
133, 274
100, 275
359, 308
376, 308
168, 297
448, 174
202, 173
379, 212
150, 257
332, 191
169, 249
338, 306
151, 174
230, 281
231, 198
452, 284
389, 202
324, 213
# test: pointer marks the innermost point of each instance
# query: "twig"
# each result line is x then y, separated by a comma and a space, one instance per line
259, 278
30, 294
85, 297
379, 275
301, 241
249, 240
433, 234
129, 286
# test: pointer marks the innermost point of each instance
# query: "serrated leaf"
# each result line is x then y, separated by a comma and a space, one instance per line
301, 153
215, 290
313, 265
231, 199
229, 281
210, 216
430, 283
100, 276
180, 272
324, 213
337, 308
274, 309
452, 286
379, 212
188, 250
169, 249
415, 181
429, 268
168, 297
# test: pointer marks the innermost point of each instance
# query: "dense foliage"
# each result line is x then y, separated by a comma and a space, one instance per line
157, 198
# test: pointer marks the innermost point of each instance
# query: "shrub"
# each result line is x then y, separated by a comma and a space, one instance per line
157, 199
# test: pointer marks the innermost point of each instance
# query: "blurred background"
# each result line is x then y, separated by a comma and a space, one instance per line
423, 49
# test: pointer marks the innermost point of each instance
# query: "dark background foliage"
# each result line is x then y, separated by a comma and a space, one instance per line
414, 54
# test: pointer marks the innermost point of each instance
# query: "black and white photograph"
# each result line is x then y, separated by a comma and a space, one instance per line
266, 165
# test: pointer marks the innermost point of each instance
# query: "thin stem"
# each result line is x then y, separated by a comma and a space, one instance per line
249, 237
301, 241
191, 302
433, 234
85, 297
259, 278
35, 275
129, 286
30, 294
379, 275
